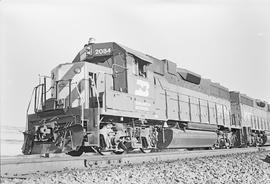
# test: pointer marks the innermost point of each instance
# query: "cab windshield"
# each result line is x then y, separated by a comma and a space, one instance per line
106, 61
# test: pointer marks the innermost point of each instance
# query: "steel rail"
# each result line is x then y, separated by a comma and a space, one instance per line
26, 166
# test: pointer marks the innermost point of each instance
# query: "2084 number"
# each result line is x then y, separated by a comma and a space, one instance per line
104, 51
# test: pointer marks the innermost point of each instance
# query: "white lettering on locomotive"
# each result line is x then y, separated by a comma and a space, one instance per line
142, 88
104, 51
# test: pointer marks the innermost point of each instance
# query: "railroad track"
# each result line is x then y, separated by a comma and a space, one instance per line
27, 166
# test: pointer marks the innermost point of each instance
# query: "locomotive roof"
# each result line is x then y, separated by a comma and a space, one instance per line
138, 54
165, 67
238, 97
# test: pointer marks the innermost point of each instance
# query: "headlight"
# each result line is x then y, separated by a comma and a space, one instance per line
77, 70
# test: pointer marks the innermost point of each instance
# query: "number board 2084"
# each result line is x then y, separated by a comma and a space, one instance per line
102, 51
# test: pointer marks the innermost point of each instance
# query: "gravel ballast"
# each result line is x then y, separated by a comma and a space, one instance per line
235, 168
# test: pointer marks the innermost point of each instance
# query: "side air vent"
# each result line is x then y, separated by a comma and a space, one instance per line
189, 76
260, 104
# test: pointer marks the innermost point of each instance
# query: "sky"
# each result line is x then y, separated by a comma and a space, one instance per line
227, 41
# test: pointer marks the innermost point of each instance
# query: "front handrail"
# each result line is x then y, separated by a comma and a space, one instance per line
28, 107
40, 101
36, 104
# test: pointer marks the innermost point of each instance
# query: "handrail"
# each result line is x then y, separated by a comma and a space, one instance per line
97, 95
119, 66
124, 68
28, 107
81, 102
95, 87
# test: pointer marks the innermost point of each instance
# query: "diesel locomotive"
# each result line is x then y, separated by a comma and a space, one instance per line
111, 98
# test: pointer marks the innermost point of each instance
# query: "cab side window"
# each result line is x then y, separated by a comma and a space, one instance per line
142, 68
135, 69
139, 67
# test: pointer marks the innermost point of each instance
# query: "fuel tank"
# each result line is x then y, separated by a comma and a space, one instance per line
178, 138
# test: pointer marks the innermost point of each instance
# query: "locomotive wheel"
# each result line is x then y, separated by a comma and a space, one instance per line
145, 146
75, 153
145, 150
118, 152
213, 147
